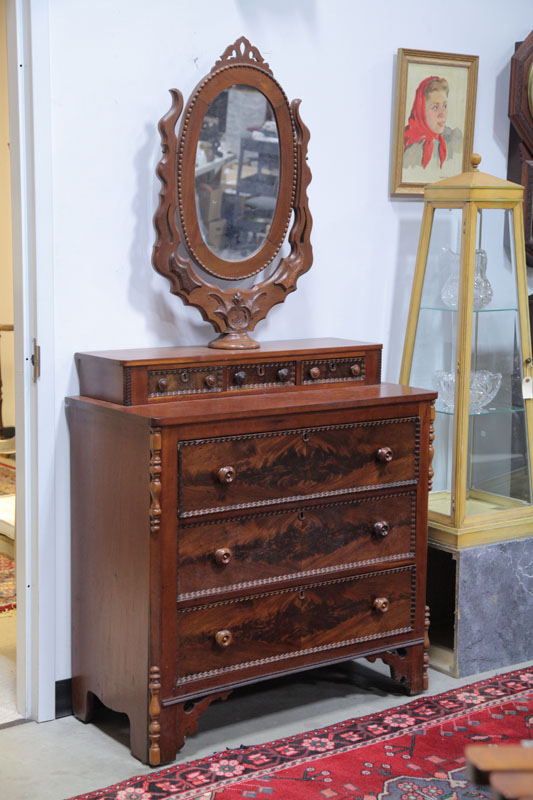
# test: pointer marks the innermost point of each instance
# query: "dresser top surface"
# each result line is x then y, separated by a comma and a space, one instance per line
284, 347
297, 401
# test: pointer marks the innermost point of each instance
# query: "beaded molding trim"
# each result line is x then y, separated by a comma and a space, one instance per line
295, 590
297, 498
127, 386
322, 507
297, 431
310, 573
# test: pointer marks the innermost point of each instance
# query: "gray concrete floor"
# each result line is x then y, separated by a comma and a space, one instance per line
8, 645
63, 758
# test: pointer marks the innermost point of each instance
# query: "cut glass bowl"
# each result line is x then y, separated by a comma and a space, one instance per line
484, 386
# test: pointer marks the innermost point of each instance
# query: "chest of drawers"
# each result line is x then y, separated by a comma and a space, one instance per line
220, 540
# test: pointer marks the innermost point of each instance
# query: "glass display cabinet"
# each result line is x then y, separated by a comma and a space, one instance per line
468, 336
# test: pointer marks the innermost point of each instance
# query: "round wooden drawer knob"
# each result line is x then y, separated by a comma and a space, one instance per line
384, 455
381, 528
210, 381
240, 377
223, 638
162, 384
223, 556
355, 369
381, 604
226, 475
283, 374
314, 373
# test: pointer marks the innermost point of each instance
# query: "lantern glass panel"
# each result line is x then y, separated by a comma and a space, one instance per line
434, 352
498, 473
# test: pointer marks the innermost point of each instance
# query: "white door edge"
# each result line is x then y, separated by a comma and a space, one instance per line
30, 137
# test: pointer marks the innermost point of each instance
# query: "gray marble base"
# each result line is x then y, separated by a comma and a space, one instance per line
493, 625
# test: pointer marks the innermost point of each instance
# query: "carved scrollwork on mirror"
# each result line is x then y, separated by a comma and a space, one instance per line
234, 190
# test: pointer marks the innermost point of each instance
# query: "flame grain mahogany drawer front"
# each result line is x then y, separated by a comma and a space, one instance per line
256, 376
334, 370
307, 541
184, 381
250, 470
219, 639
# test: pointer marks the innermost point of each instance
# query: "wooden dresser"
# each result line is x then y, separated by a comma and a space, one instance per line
241, 515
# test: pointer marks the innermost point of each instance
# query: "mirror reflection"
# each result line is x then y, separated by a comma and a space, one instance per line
237, 173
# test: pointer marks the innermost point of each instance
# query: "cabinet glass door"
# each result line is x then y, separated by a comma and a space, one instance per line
493, 474
434, 352
498, 473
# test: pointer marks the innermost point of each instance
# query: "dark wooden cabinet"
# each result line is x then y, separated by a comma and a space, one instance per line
227, 531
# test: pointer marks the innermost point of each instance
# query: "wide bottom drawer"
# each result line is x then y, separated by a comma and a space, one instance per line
236, 635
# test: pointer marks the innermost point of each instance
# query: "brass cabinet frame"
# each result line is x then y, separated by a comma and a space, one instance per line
456, 529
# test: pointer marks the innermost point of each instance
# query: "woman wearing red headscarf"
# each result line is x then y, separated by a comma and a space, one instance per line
427, 138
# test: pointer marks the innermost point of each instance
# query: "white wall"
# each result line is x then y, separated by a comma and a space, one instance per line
111, 67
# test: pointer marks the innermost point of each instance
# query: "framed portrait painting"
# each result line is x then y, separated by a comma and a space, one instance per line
434, 118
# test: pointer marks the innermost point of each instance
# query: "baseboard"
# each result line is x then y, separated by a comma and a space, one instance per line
64, 698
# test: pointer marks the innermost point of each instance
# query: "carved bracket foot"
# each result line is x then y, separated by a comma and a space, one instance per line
189, 712
82, 702
408, 666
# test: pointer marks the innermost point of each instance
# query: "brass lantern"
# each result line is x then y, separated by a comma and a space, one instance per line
468, 336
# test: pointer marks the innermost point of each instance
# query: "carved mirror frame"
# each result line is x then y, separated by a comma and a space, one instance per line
180, 252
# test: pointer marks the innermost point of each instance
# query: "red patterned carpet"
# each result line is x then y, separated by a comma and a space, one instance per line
414, 752
7, 480
7, 584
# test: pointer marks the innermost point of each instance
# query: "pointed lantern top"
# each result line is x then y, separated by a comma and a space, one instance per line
473, 185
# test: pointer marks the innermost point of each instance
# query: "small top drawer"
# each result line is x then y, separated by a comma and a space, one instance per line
184, 381
261, 376
233, 472
334, 370
173, 374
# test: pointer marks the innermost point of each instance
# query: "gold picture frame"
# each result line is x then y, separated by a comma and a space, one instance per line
435, 104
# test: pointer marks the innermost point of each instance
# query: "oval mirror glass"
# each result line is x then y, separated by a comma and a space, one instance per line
237, 173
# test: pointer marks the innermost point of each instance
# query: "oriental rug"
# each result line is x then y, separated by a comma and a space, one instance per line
411, 752
7, 584
7, 480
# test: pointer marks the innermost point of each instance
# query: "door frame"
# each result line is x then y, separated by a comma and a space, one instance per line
32, 223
